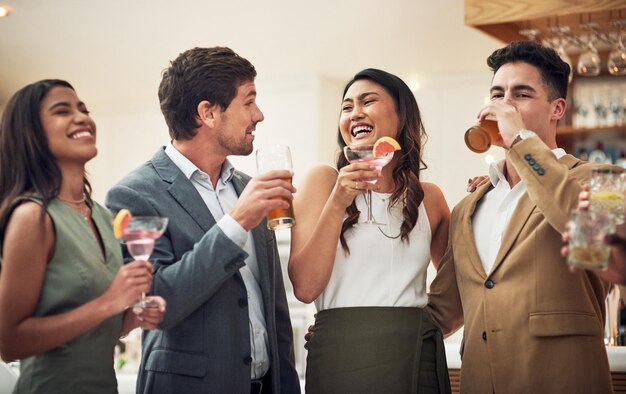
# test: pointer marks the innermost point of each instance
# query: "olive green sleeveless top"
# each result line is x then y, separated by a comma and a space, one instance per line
77, 273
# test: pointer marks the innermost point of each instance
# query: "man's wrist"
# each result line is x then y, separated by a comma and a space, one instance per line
522, 135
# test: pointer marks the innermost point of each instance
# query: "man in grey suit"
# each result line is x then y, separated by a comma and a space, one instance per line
227, 329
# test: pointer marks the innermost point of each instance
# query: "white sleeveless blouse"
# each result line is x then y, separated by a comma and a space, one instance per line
380, 270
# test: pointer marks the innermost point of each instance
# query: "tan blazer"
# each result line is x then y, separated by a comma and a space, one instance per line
530, 325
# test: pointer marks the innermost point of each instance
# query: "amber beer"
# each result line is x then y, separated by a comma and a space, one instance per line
482, 135
276, 157
281, 217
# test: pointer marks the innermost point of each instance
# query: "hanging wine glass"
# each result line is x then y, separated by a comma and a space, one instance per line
589, 60
561, 33
617, 58
531, 34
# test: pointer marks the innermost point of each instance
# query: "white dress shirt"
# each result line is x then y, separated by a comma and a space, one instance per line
219, 201
494, 211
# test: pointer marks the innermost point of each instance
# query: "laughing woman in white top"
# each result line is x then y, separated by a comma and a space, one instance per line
369, 282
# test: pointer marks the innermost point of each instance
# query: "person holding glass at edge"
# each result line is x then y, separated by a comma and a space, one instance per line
616, 270
64, 293
369, 282
529, 324
227, 328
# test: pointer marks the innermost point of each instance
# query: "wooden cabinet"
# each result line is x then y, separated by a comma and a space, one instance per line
504, 19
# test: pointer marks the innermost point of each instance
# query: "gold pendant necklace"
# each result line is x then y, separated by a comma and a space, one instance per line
79, 206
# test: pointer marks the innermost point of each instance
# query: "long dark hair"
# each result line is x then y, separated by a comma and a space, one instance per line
411, 136
27, 166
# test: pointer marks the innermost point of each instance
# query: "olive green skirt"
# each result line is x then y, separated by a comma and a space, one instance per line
376, 350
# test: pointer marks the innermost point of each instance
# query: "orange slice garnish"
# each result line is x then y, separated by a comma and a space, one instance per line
385, 145
120, 222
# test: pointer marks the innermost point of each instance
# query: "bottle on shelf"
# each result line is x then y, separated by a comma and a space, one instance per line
582, 154
621, 160
598, 155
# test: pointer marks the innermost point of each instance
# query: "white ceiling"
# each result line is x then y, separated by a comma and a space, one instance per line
115, 50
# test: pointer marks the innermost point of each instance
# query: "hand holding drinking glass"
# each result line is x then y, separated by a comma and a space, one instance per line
607, 188
139, 235
277, 157
365, 154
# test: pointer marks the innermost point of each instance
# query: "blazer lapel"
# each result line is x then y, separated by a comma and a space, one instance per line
182, 190
467, 231
260, 237
520, 216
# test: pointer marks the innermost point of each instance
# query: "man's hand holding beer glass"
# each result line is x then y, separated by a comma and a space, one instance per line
498, 124
264, 193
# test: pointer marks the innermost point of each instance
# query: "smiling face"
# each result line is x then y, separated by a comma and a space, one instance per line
70, 131
238, 121
368, 112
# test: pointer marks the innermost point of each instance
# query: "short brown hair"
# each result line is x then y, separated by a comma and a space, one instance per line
198, 74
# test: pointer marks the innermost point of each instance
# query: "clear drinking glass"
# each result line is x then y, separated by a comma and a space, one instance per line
139, 237
611, 332
276, 157
587, 230
365, 154
589, 60
482, 135
617, 58
562, 33
607, 193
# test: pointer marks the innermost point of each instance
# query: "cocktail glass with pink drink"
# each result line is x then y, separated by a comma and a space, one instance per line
139, 236
365, 154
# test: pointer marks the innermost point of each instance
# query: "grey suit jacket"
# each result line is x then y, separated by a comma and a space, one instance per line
203, 343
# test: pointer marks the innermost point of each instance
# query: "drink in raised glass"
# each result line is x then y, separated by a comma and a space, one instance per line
586, 244
276, 157
365, 154
377, 162
482, 135
281, 217
607, 193
140, 235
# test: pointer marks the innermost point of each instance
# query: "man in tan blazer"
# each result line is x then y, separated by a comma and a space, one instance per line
531, 326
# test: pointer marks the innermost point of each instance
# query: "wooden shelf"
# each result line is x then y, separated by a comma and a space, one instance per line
503, 19
572, 131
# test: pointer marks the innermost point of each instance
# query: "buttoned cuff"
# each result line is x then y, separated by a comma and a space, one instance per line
233, 230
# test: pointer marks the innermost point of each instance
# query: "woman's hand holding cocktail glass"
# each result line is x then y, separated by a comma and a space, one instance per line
376, 155
139, 233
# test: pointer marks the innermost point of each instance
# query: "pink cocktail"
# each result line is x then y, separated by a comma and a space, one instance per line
139, 236
365, 154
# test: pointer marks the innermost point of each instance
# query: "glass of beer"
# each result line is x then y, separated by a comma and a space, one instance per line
607, 193
276, 157
587, 248
482, 135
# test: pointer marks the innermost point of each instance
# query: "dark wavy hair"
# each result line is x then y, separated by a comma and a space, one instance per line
27, 165
408, 161
554, 71
198, 74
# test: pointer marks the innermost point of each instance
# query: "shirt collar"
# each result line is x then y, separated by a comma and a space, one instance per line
188, 168
496, 173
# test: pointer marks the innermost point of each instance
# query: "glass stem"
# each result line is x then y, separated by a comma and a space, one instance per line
368, 200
